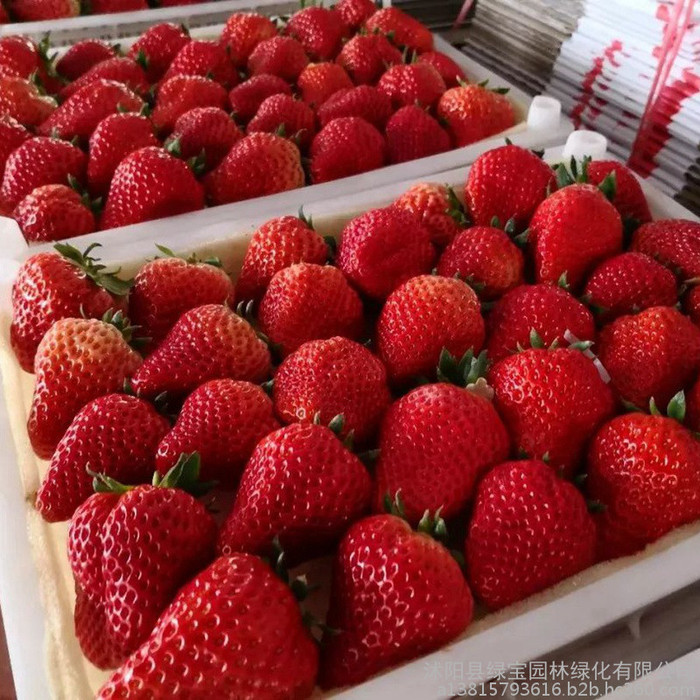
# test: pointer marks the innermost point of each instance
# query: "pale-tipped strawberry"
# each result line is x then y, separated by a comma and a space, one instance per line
21, 100
675, 243
412, 133
361, 101
245, 99
320, 81
319, 30
120, 69
404, 30
355, 13
12, 136
366, 56
281, 56
629, 197
450, 71
412, 84
282, 114
158, 46
243, 32
206, 58
82, 56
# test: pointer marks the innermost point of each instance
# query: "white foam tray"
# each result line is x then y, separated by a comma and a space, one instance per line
608, 595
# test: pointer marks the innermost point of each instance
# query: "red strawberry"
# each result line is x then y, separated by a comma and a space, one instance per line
282, 112
81, 113
646, 471
243, 32
552, 401
302, 485
396, 594
21, 100
115, 137
158, 46
150, 184
42, 10
4, 17
166, 287
68, 377
319, 30
238, 598
52, 212
52, 286
308, 302
509, 182
693, 407
222, 420
628, 283
529, 530
277, 244
436, 441
91, 631
653, 354
412, 133
675, 243
82, 56
206, 58
207, 130
629, 197
12, 135
245, 99
207, 342
333, 377
320, 81
422, 317
115, 435
355, 13
344, 147
99, 7
691, 304
40, 161
571, 231
363, 101
486, 258
19, 57
258, 165
365, 57
473, 112
120, 69
180, 94
448, 69
438, 209
404, 29
412, 84
382, 248
281, 56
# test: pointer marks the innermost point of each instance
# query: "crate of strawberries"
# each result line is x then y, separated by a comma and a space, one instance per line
460, 427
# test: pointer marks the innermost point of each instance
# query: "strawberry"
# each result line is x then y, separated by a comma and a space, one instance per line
486, 258
354, 13
411, 133
529, 530
4, 17
693, 407
52, 212
168, 286
81, 113
396, 594
382, 248
205, 130
239, 599
12, 135
571, 232
42, 10
675, 243
365, 57
283, 114
332, 377
82, 56
509, 182
21, 100
277, 244
438, 209
258, 165
281, 56
319, 30
207, 342
422, 317
344, 147
320, 81
243, 32
412, 84
120, 69
68, 377
653, 354
115, 137
435, 442
448, 69
628, 283
362, 101
308, 302
90, 625
552, 402
404, 29
180, 94
56, 285
245, 99
645, 470
222, 420
19, 57
206, 58
40, 161
115, 435
548, 310
99, 7
301, 485
158, 46
474, 112
629, 197
691, 304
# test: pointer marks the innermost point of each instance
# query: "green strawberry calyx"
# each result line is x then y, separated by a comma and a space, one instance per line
577, 173
122, 324
463, 372
675, 409
190, 259
93, 269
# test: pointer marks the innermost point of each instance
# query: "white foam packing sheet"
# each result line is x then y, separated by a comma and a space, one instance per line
608, 595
